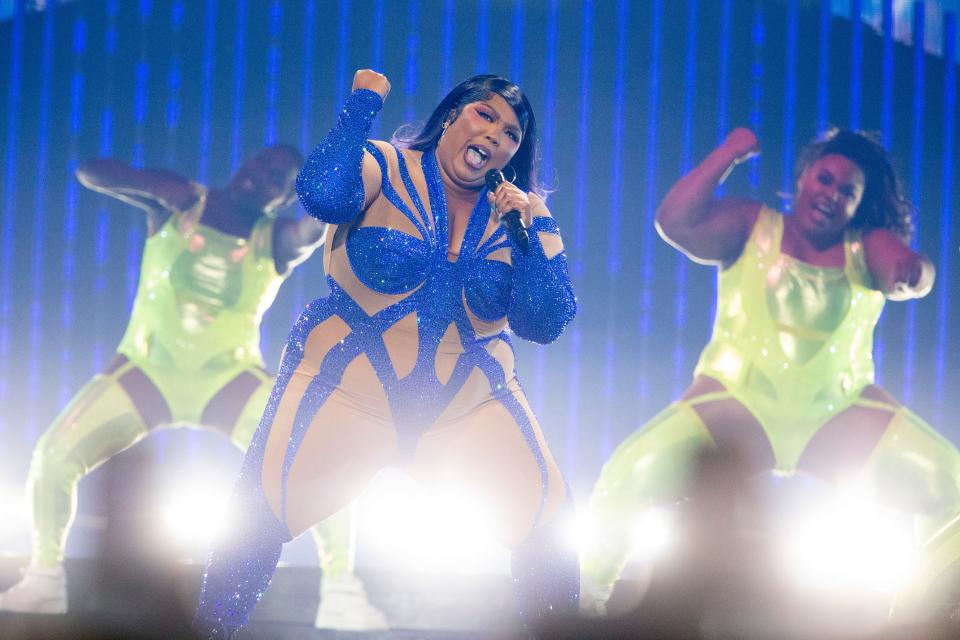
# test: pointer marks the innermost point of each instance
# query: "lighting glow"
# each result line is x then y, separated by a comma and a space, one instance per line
193, 516
14, 510
449, 530
850, 544
15, 515
652, 533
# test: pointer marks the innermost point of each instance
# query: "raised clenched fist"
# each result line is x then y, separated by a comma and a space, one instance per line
370, 79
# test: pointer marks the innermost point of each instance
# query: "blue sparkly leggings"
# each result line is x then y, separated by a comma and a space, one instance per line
324, 436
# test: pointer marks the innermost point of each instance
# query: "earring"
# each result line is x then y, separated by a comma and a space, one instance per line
513, 169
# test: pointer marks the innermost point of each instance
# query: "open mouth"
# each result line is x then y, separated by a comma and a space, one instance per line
476, 157
825, 212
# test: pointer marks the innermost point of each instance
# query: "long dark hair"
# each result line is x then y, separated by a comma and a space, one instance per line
883, 205
524, 162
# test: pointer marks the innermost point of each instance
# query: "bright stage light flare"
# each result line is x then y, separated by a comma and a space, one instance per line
14, 509
851, 544
446, 531
578, 530
194, 514
15, 515
653, 533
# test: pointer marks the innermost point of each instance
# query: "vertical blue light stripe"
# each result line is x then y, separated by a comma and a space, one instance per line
516, 41
723, 102
343, 37
10, 198
377, 44
273, 73
306, 76
886, 100
174, 83
239, 80
206, 90
307, 142
446, 56
483, 37
919, 88
140, 106
680, 373
377, 54
580, 216
650, 201
172, 122
101, 251
723, 72
411, 80
790, 98
916, 188
886, 136
947, 246
548, 137
616, 142
583, 141
547, 140
69, 262
39, 215
141, 77
723, 99
272, 89
617, 136
823, 66
758, 36
856, 62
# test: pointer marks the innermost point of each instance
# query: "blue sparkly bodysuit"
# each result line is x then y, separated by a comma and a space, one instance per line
414, 339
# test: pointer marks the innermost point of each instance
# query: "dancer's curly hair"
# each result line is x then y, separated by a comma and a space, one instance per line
883, 205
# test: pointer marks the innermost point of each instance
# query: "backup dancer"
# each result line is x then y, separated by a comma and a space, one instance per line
787, 380
212, 265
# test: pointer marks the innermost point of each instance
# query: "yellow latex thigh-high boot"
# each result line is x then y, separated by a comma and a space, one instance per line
918, 470
650, 467
100, 421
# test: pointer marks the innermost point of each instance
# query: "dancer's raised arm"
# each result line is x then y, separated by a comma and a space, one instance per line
694, 221
157, 191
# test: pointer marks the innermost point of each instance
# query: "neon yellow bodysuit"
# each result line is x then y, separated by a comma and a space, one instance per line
194, 328
195, 323
792, 343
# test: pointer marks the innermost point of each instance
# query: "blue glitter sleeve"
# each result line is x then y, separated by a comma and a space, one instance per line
330, 184
542, 303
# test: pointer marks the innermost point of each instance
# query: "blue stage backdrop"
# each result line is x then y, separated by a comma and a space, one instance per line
630, 95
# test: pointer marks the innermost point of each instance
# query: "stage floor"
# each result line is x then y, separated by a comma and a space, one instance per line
129, 600
125, 601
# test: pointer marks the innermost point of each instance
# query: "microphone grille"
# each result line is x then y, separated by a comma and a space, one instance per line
493, 179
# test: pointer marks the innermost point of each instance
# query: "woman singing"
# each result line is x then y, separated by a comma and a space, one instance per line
407, 362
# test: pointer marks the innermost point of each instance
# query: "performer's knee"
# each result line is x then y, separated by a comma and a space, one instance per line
53, 463
652, 466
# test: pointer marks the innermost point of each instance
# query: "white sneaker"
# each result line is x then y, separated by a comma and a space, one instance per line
344, 606
41, 590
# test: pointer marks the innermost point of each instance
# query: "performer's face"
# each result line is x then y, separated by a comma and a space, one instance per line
484, 136
828, 194
265, 181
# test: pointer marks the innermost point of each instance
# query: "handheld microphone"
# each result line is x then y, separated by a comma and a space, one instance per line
511, 219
